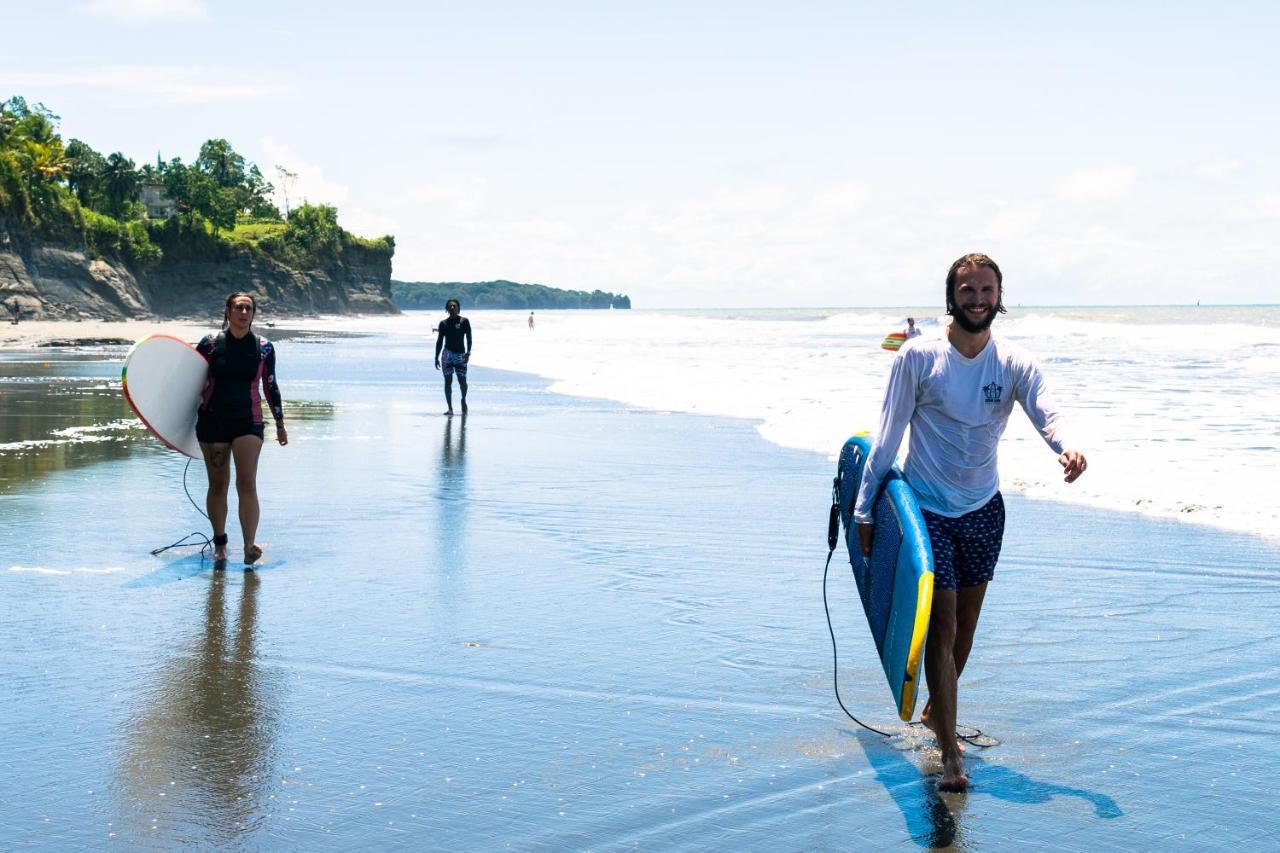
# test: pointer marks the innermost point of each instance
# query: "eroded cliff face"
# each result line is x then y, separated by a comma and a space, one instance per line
53, 282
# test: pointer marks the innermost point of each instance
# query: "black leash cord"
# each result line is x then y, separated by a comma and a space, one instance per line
835, 660
833, 539
188, 491
183, 542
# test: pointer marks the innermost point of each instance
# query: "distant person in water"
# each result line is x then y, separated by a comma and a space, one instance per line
956, 392
531, 321
229, 423
453, 351
911, 331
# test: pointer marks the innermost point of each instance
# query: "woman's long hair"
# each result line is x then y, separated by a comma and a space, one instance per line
226, 310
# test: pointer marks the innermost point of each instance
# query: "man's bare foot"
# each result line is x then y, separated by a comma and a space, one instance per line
219, 547
464, 408
953, 777
924, 721
449, 413
252, 553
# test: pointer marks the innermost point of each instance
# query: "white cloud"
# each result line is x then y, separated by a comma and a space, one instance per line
1217, 169
308, 184
146, 10
1013, 223
366, 223
1096, 184
168, 83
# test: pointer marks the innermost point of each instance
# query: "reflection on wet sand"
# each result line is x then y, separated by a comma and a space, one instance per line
69, 413
54, 426
196, 766
453, 456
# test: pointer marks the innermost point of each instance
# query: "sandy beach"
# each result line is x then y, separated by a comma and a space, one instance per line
569, 624
45, 333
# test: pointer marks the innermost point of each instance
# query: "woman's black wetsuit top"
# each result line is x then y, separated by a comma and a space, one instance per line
237, 366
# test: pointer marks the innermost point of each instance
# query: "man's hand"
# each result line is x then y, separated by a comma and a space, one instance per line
282, 435
437, 364
866, 533
1073, 465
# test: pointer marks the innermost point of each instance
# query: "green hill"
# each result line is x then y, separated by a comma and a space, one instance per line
431, 295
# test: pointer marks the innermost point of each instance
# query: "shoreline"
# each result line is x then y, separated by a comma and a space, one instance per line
91, 334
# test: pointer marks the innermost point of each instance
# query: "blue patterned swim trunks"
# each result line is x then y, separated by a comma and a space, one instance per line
966, 548
451, 362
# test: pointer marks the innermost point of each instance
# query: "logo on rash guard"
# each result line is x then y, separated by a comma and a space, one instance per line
992, 392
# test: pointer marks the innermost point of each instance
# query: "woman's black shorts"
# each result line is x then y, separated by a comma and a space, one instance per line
212, 429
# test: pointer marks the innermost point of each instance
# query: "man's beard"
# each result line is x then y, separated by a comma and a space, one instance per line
962, 320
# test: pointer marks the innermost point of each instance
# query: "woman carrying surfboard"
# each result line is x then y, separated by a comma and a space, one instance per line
229, 424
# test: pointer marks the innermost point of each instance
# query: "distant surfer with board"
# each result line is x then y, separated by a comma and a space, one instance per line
911, 331
957, 392
453, 351
229, 421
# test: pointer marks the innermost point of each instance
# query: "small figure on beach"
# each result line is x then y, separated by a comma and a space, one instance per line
531, 321
453, 351
911, 331
957, 392
17, 311
229, 422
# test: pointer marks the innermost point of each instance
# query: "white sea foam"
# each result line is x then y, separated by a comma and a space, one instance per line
1177, 408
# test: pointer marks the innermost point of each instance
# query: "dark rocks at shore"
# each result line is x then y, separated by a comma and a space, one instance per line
55, 282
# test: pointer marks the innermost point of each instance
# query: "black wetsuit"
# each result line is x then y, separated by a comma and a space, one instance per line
230, 404
456, 334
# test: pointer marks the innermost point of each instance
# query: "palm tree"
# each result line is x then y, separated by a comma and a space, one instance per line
120, 182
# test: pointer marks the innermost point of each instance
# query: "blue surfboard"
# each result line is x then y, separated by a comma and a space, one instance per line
896, 581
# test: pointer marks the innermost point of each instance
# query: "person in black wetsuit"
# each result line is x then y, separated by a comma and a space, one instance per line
229, 422
453, 351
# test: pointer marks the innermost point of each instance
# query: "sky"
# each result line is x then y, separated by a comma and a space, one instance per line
719, 154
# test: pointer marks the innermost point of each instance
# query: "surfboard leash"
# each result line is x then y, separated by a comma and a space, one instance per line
207, 544
833, 539
977, 737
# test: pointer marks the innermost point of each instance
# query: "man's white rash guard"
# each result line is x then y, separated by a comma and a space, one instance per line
958, 408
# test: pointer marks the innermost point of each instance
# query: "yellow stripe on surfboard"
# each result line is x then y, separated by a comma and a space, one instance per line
924, 606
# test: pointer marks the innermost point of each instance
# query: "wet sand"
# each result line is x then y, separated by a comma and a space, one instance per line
562, 623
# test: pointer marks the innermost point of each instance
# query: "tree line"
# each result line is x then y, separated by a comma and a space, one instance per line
431, 295
68, 191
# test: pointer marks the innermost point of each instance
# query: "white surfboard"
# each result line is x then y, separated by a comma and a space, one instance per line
162, 379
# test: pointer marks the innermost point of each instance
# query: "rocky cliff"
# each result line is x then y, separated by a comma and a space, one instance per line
52, 282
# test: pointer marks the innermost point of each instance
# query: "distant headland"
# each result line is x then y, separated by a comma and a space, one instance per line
431, 295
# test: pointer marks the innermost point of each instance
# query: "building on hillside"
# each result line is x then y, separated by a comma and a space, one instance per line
159, 205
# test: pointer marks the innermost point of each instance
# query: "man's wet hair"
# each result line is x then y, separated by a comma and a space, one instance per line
449, 302
971, 261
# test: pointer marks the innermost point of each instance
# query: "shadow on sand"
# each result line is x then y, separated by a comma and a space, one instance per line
190, 566
935, 820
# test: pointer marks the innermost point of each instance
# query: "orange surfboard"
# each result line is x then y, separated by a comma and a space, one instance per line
893, 341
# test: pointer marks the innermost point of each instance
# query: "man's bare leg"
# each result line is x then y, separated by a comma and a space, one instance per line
448, 394
940, 670
951, 630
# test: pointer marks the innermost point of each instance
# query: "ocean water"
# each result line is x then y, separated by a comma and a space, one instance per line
569, 622
1178, 409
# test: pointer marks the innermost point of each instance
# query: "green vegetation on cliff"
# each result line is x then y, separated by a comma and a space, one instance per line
431, 295
216, 207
